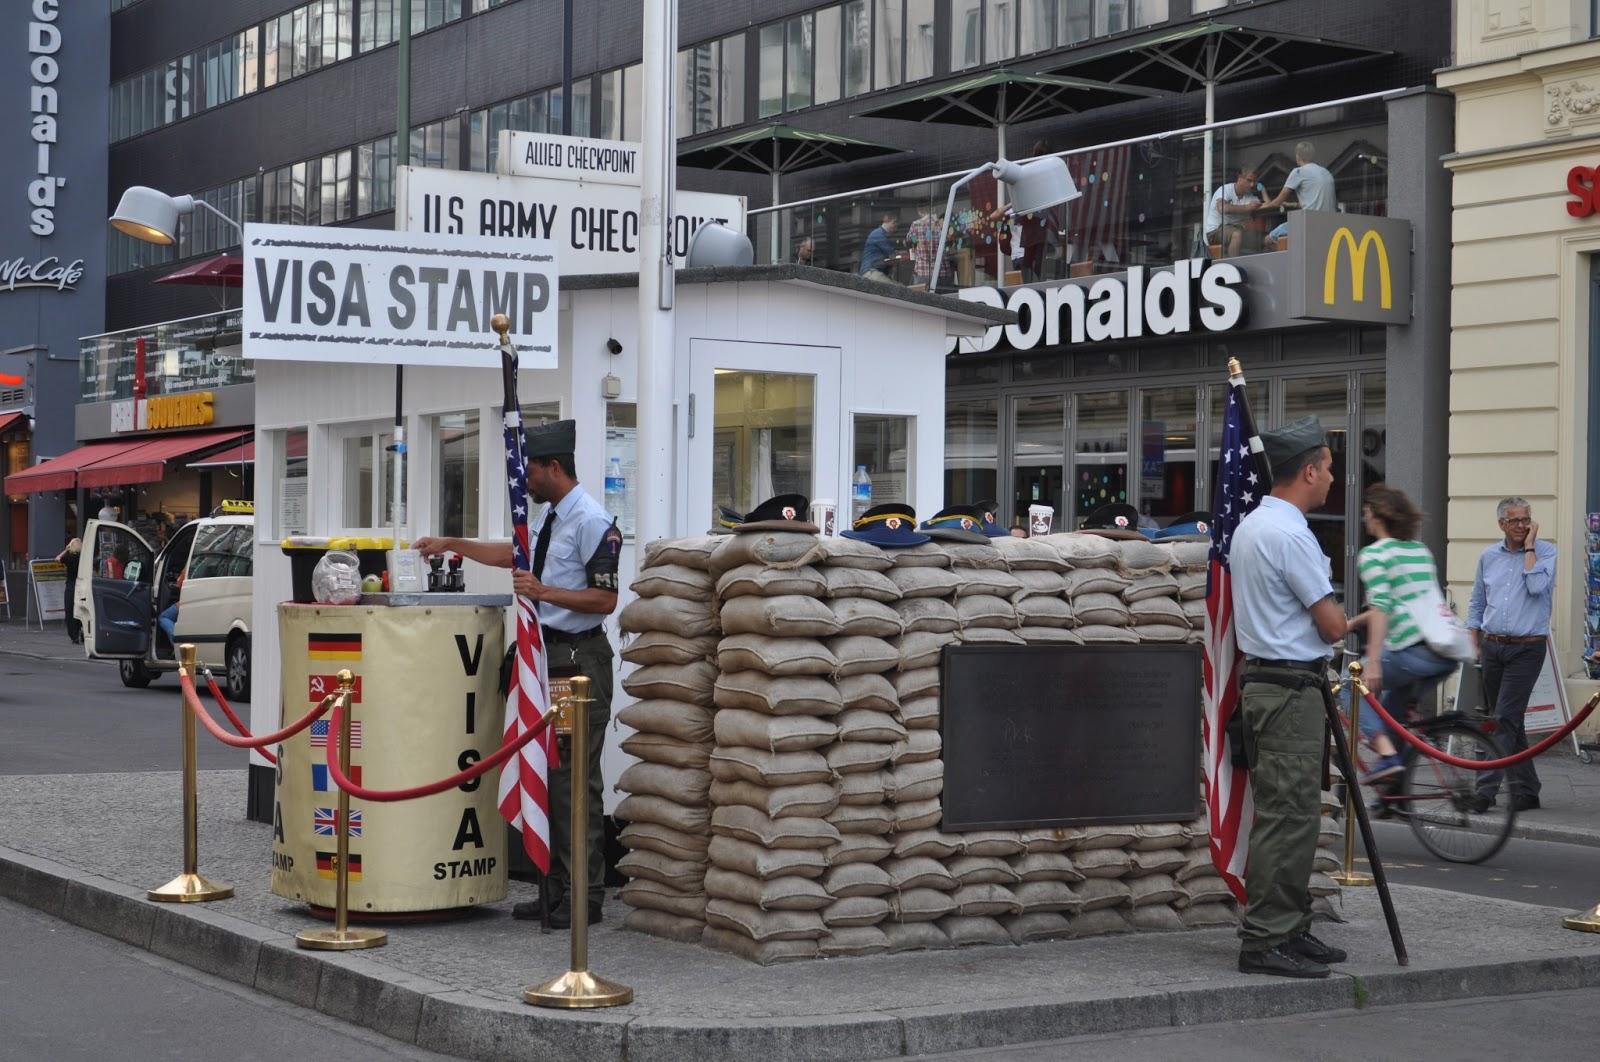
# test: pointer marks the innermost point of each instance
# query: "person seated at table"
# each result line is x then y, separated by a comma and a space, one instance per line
1230, 205
1311, 184
879, 249
805, 252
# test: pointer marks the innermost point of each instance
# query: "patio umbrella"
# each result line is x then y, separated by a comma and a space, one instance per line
776, 150
224, 270
1208, 54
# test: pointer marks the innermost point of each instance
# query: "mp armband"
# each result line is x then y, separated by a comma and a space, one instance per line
602, 567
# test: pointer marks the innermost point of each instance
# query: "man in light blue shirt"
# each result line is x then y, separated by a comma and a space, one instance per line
1510, 619
1285, 616
1311, 184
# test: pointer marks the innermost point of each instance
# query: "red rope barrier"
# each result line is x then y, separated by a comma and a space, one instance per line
488, 763
1420, 745
192, 699
227, 710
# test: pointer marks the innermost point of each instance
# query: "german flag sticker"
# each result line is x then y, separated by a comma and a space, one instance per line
328, 861
333, 646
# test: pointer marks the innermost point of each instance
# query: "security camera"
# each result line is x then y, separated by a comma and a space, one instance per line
613, 346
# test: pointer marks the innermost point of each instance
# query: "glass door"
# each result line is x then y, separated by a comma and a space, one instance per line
1100, 452
1331, 399
1038, 456
1169, 425
971, 451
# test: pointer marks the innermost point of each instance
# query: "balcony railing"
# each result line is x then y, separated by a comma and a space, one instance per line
1145, 201
179, 356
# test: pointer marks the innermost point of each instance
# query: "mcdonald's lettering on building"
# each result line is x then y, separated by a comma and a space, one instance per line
1349, 267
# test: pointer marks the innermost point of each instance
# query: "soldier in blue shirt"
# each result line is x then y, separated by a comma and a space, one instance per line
1285, 616
574, 582
1510, 619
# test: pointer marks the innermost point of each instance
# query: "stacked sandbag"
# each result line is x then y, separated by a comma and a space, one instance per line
1190, 561
1206, 902
777, 716
1093, 587
672, 643
1155, 609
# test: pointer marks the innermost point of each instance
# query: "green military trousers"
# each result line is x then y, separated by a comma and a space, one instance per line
1285, 736
592, 657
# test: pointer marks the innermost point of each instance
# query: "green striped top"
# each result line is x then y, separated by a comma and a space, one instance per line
1394, 571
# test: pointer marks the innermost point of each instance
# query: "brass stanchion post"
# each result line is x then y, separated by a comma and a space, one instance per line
341, 937
190, 886
1349, 875
578, 988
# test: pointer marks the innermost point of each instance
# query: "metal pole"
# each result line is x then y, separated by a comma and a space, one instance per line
190, 886
657, 340
1352, 794
341, 937
1211, 116
578, 988
1379, 877
402, 136
777, 255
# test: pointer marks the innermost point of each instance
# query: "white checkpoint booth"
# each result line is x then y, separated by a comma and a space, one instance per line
785, 379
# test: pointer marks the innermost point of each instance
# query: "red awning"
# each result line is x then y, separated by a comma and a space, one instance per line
61, 473
224, 269
233, 455
146, 462
8, 419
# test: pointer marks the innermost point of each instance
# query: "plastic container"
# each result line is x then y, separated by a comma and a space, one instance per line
860, 493
371, 553
303, 552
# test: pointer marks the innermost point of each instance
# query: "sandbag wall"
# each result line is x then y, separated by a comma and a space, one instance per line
791, 810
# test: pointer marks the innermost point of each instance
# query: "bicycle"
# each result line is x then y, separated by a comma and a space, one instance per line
1435, 798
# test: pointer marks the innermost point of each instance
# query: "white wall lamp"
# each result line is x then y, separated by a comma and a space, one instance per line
1034, 186
152, 216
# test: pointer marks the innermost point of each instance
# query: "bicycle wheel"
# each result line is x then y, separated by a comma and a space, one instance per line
1436, 797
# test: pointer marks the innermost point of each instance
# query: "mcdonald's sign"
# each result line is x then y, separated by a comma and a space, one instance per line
1349, 267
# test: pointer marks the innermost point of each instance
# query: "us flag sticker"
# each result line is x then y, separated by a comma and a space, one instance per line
333, 646
319, 686
327, 862
319, 734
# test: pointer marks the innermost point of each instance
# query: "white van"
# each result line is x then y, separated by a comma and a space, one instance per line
124, 585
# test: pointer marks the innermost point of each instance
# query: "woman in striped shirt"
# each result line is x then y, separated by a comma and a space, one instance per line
1395, 570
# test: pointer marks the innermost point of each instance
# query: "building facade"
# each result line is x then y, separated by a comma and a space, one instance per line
1524, 317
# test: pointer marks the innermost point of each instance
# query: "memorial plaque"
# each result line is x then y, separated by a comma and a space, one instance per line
1065, 735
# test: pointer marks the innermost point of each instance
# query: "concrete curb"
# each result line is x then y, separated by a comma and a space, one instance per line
441, 1018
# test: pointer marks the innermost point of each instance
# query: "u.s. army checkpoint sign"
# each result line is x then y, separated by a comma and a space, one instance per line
313, 293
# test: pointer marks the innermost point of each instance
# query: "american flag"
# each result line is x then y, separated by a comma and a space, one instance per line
319, 734
524, 781
325, 822
1229, 805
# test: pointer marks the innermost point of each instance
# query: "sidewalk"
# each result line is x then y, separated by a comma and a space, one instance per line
20, 639
84, 847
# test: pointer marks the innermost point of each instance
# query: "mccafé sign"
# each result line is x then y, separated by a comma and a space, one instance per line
193, 409
1349, 267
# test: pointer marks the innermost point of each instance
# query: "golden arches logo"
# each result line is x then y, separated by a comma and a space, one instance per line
1343, 237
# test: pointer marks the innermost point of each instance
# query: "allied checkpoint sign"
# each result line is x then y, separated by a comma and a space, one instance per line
367, 296
589, 212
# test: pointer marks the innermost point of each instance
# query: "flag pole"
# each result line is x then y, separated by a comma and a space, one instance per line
1258, 454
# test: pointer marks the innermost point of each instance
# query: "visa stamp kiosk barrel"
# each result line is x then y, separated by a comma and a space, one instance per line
427, 704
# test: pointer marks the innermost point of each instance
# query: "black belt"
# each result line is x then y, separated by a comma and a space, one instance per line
1514, 639
555, 637
1314, 666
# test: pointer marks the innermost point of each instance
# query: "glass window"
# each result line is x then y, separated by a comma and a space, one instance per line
632, 101
455, 469
800, 46
828, 55
771, 60
1326, 397
1374, 438
366, 480
291, 493
1000, 35
1038, 459
1077, 21
120, 555
212, 555
1038, 24
763, 437
919, 37
610, 105
858, 47
971, 450
883, 449
1168, 427
1100, 460
622, 465
731, 82
966, 33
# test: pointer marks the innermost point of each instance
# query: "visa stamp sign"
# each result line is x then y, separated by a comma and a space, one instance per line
594, 227
368, 296
1349, 267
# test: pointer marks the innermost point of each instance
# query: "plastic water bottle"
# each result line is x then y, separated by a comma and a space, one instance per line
616, 487
860, 493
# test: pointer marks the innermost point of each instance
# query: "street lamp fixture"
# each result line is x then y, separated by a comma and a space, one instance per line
1035, 185
715, 244
152, 216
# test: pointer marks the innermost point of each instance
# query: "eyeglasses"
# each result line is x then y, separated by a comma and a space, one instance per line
1516, 521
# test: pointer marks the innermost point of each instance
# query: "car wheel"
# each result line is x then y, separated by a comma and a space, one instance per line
238, 661
134, 674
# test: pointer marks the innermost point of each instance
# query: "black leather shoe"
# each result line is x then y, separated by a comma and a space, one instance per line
1280, 962
1309, 947
527, 911
1479, 804
1524, 803
561, 914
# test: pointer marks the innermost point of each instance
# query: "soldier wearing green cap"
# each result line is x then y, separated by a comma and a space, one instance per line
574, 582
1286, 617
